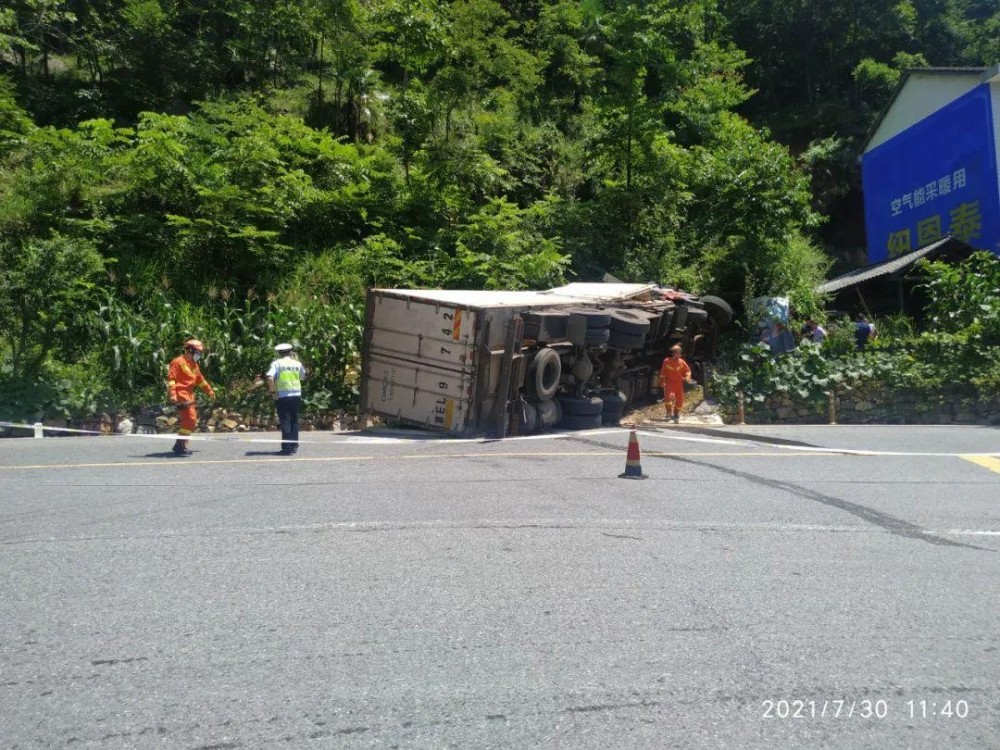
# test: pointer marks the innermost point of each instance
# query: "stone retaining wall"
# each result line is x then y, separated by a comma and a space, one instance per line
216, 420
872, 405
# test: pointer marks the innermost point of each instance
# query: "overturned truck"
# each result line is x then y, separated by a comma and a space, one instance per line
473, 363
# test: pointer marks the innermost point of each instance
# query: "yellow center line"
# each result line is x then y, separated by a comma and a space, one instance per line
987, 462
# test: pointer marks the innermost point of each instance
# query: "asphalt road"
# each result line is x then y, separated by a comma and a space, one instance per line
396, 592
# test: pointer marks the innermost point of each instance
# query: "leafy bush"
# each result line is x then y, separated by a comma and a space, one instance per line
959, 348
965, 295
46, 289
806, 373
57, 391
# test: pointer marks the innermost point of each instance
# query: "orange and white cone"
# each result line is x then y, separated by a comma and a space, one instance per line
633, 462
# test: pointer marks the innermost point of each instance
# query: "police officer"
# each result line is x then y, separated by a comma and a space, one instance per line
284, 380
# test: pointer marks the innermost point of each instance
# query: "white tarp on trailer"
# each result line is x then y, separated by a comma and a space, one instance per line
600, 292
565, 295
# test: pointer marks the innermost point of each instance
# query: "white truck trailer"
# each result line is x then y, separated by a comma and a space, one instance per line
497, 363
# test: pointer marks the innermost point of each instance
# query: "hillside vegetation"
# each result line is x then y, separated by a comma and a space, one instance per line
242, 171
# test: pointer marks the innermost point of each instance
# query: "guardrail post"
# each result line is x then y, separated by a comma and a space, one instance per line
833, 408
39, 430
741, 416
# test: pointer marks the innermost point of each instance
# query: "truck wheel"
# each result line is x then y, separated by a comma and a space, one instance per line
612, 419
627, 387
585, 407
679, 321
613, 401
597, 336
719, 309
582, 369
529, 418
581, 421
543, 377
627, 341
628, 323
614, 407
697, 317
595, 318
549, 413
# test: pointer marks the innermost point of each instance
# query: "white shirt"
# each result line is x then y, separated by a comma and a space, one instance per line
287, 364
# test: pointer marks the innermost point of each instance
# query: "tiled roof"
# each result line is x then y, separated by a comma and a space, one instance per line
887, 267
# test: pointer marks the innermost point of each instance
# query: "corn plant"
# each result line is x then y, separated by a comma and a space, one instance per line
140, 337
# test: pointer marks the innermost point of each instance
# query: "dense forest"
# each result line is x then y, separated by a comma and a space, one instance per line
241, 171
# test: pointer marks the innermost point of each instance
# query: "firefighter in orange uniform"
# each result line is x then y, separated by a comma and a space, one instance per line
674, 373
183, 377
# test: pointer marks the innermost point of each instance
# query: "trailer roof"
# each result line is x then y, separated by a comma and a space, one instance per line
569, 294
602, 292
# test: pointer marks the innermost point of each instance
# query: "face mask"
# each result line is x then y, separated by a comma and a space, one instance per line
196, 356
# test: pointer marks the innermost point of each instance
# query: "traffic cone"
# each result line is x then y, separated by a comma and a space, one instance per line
633, 463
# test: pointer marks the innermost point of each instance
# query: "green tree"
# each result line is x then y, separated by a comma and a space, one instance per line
47, 289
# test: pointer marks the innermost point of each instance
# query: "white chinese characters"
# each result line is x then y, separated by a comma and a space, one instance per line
933, 190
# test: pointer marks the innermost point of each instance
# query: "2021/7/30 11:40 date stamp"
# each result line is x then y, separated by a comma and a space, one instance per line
863, 708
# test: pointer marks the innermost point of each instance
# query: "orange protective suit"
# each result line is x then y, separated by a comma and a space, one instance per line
673, 373
183, 377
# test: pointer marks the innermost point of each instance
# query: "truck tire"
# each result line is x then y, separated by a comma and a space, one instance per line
597, 336
614, 407
719, 310
529, 418
595, 318
581, 421
612, 418
549, 413
613, 401
546, 325
543, 375
576, 329
679, 323
629, 323
583, 368
619, 340
627, 387
580, 407
697, 317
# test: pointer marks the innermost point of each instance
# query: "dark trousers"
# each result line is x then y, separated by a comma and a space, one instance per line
288, 415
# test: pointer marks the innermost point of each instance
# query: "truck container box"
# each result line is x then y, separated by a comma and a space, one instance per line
462, 362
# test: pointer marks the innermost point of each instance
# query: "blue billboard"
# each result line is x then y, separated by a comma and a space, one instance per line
936, 178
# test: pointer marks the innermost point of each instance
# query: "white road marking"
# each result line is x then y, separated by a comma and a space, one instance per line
431, 439
815, 449
513, 524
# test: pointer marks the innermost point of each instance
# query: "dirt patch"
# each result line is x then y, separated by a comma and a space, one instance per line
656, 413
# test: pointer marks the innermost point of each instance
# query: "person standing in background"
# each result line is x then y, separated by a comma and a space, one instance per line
863, 332
674, 372
183, 376
284, 380
817, 333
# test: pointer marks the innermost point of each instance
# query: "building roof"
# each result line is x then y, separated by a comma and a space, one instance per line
984, 74
948, 247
